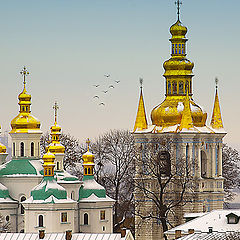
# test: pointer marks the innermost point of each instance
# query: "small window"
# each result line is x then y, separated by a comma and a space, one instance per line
103, 228
85, 219
32, 149
172, 48
40, 220
183, 49
85, 170
89, 171
23, 198
7, 218
72, 195
180, 87
64, 217
179, 48
102, 215
49, 172
22, 149
174, 86
57, 165
14, 149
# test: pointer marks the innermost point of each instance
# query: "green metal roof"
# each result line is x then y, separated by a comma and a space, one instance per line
48, 187
20, 166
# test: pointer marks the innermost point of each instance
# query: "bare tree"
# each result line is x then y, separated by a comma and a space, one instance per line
162, 183
231, 172
114, 158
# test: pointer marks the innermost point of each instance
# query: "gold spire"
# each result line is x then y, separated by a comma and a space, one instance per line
24, 122
48, 164
141, 120
216, 121
55, 145
186, 121
88, 161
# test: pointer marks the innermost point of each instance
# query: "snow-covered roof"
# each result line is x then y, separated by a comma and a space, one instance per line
51, 199
208, 236
175, 129
61, 236
94, 198
216, 219
65, 177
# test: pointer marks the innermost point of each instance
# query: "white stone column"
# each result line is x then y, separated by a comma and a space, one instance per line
220, 159
198, 160
213, 159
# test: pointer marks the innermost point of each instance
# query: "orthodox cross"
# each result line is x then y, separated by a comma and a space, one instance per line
141, 82
88, 143
55, 107
24, 72
178, 3
216, 82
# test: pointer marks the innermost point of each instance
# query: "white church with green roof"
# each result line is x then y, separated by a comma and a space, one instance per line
37, 193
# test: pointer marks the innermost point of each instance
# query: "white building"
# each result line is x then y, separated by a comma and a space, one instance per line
36, 196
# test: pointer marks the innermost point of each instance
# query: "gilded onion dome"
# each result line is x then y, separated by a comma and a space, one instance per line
55, 145
178, 75
3, 148
88, 163
25, 122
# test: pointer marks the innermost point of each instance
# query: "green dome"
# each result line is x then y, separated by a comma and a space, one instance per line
89, 187
47, 188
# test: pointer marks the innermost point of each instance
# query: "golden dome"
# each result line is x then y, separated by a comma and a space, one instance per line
88, 157
48, 158
3, 149
178, 30
169, 112
24, 122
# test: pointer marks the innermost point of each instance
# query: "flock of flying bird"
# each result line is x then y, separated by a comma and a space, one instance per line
109, 87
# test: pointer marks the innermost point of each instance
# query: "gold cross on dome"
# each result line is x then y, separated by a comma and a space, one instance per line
88, 143
55, 107
178, 4
24, 72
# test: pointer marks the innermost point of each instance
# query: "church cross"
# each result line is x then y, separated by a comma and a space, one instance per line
141, 82
178, 4
24, 72
88, 143
55, 107
216, 82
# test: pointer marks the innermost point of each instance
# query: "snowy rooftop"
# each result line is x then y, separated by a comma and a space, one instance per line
216, 219
51, 199
61, 236
207, 236
94, 198
175, 129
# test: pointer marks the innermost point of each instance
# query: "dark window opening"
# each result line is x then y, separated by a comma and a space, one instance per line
32, 149
40, 220
85, 219
23, 198
22, 149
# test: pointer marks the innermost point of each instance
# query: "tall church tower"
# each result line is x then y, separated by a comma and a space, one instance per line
199, 145
25, 131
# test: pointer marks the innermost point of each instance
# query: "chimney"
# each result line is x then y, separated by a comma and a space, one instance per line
41, 234
178, 234
123, 232
190, 231
210, 229
68, 234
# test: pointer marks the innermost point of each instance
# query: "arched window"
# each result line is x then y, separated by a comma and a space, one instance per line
186, 87
179, 48
89, 171
32, 149
183, 49
180, 87
173, 48
169, 87
164, 163
203, 164
174, 86
85, 219
22, 149
40, 220
23, 198
57, 165
14, 149
85, 170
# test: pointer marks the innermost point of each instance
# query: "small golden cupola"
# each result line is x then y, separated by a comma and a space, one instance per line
216, 121
55, 145
48, 164
141, 119
25, 122
88, 163
3, 148
178, 75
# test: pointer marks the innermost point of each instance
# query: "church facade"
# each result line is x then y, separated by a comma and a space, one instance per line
36, 193
196, 143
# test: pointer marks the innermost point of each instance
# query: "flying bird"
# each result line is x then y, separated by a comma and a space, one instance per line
96, 85
106, 75
102, 104
117, 81
111, 86
96, 96
105, 91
